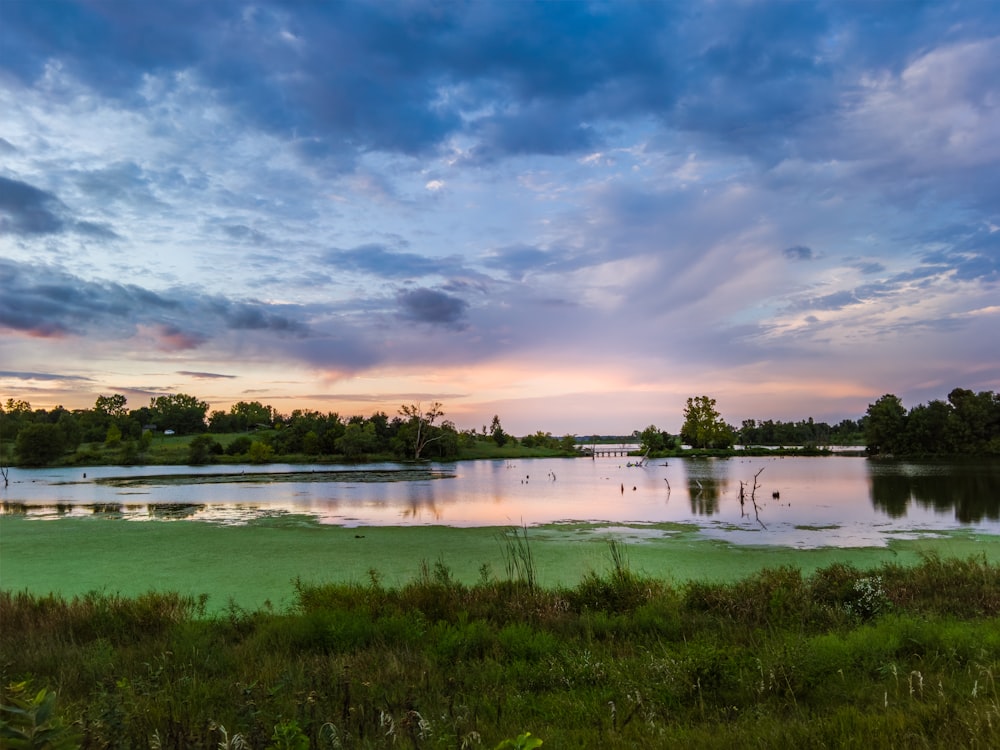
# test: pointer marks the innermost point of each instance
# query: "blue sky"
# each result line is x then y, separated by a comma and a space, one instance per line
572, 215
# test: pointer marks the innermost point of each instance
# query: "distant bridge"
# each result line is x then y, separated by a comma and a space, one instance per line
605, 450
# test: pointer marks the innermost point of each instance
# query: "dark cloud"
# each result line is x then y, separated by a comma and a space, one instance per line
205, 375
46, 301
549, 130
27, 210
346, 78
380, 261
123, 182
252, 316
869, 267
244, 234
39, 376
434, 307
798, 252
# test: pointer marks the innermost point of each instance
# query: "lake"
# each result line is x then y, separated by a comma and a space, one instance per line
803, 502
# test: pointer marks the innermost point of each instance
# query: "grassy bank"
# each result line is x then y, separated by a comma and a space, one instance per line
891, 656
175, 450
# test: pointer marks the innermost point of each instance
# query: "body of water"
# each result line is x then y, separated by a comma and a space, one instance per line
798, 501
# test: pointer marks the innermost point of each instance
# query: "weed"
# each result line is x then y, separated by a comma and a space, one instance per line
521, 742
288, 736
518, 557
774, 660
30, 721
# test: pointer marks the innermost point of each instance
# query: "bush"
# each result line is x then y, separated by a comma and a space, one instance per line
239, 446
202, 448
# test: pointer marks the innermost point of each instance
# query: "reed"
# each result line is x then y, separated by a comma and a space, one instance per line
620, 660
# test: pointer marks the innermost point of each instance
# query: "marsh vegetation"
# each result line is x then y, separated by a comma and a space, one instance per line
885, 657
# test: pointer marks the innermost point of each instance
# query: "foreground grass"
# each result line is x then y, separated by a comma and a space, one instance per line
893, 656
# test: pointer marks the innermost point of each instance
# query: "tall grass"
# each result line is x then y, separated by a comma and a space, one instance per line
888, 657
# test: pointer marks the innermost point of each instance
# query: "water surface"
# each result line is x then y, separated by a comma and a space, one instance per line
803, 502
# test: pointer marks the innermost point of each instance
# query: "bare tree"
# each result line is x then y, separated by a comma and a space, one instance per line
424, 422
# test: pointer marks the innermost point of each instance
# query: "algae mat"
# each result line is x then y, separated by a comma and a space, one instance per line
255, 565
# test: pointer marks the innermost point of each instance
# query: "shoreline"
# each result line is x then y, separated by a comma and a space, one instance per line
254, 566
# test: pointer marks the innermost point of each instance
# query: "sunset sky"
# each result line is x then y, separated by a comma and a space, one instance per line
571, 215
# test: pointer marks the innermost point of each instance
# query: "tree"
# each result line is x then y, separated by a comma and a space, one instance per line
112, 406
704, 426
927, 428
181, 413
39, 444
421, 424
250, 414
651, 440
239, 446
885, 425
114, 436
975, 420
496, 431
260, 453
201, 449
357, 440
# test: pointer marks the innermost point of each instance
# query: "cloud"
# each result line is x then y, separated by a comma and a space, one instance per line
245, 235
798, 252
14, 375
432, 306
337, 189
205, 375
26, 210
380, 261
47, 301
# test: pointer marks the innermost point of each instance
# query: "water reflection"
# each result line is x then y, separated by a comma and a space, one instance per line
972, 490
845, 501
707, 481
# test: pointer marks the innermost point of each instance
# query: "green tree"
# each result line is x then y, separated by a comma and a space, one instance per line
358, 440
703, 425
113, 407
975, 420
927, 428
39, 444
179, 412
567, 443
71, 431
651, 439
496, 431
260, 452
202, 448
239, 446
885, 425
113, 437
249, 414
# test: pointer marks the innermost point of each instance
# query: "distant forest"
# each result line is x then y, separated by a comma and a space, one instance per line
967, 423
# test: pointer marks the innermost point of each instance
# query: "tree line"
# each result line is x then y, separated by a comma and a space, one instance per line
967, 423
704, 427
41, 436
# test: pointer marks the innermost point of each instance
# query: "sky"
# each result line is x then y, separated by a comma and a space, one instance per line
571, 215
